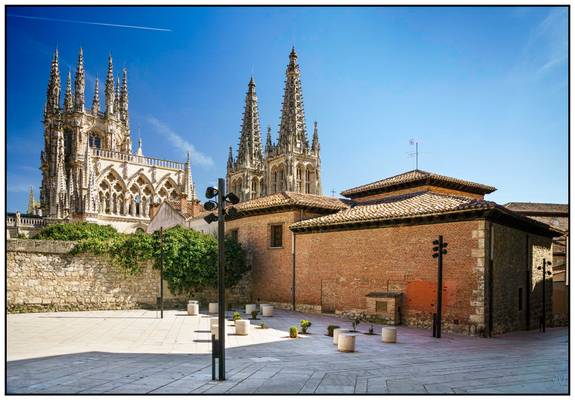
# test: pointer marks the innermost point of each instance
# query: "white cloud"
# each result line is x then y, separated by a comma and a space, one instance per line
180, 143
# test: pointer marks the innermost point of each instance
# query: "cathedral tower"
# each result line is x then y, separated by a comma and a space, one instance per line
290, 164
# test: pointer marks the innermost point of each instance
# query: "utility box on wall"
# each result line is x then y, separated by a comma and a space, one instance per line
385, 306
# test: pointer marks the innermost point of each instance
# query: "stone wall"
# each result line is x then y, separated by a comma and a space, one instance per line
43, 276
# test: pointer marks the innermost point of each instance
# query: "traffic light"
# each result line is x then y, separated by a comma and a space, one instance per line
437, 245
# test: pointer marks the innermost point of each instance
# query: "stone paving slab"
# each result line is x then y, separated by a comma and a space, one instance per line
119, 352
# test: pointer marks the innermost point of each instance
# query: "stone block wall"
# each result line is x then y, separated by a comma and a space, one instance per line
43, 276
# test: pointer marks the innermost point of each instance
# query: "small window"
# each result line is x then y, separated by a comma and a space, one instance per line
95, 141
234, 234
276, 236
520, 305
381, 306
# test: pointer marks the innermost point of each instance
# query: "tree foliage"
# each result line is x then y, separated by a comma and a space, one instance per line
190, 258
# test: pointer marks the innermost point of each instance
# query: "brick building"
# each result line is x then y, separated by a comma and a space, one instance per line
371, 252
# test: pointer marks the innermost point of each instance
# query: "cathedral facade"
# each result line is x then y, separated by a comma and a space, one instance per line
89, 171
291, 163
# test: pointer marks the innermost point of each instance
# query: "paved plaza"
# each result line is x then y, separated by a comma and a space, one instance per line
136, 352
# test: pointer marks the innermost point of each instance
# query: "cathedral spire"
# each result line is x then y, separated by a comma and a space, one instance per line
68, 100
90, 179
31, 202
124, 97
250, 149
110, 88
188, 182
230, 159
293, 135
53, 93
79, 84
117, 105
315, 140
139, 151
269, 145
96, 100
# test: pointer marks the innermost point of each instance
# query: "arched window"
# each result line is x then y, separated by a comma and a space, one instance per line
254, 191
68, 137
95, 141
275, 181
298, 179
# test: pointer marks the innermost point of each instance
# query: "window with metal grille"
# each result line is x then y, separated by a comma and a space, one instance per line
381, 306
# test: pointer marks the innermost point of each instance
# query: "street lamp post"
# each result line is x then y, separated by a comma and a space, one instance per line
218, 346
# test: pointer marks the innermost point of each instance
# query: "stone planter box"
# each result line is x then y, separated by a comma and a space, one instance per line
250, 308
267, 310
337, 332
213, 321
213, 308
193, 308
215, 331
242, 327
388, 334
346, 342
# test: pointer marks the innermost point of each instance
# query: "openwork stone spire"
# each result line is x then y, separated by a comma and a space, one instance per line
79, 84
315, 140
250, 150
96, 99
293, 135
68, 100
231, 159
110, 88
54, 88
124, 97
269, 145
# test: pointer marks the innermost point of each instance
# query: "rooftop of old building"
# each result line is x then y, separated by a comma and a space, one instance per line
529, 208
417, 178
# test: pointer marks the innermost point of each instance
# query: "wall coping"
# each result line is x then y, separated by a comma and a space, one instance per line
39, 246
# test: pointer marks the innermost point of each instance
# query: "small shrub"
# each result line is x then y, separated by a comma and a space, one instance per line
236, 316
263, 325
254, 314
330, 329
293, 332
304, 325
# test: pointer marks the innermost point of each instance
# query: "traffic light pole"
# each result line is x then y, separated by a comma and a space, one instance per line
221, 277
439, 251
161, 273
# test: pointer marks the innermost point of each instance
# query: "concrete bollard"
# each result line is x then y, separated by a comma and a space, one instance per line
213, 308
242, 327
337, 332
250, 308
346, 342
193, 308
388, 334
267, 310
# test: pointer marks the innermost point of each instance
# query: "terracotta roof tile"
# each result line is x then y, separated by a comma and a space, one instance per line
527, 208
417, 176
397, 207
286, 199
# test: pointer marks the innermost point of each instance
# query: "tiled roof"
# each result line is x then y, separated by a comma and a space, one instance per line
417, 177
287, 199
548, 208
397, 207
176, 205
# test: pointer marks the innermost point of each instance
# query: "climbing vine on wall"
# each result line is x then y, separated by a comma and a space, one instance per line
190, 258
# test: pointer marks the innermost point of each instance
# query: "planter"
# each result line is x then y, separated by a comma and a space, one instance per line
215, 331
213, 308
267, 310
242, 327
346, 343
388, 334
337, 332
193, 308
213, 321
250, 308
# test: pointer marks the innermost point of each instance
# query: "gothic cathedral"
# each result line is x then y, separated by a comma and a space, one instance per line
89, 171
290, 164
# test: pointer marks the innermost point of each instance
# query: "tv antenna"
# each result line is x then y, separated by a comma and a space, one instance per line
416, 153
332, 192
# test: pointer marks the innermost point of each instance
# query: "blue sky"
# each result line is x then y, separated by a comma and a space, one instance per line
484, 89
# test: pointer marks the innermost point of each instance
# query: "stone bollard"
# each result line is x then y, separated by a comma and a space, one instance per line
337, 332
193, 308
215, 331
242, 327
388, 334
267, 310
213, 308
250, 308
346, 342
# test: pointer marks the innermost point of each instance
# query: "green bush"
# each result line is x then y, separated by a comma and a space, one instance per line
254, 314
263, 325
293, 332
77, 231
304, 325
330, 329
236, 316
